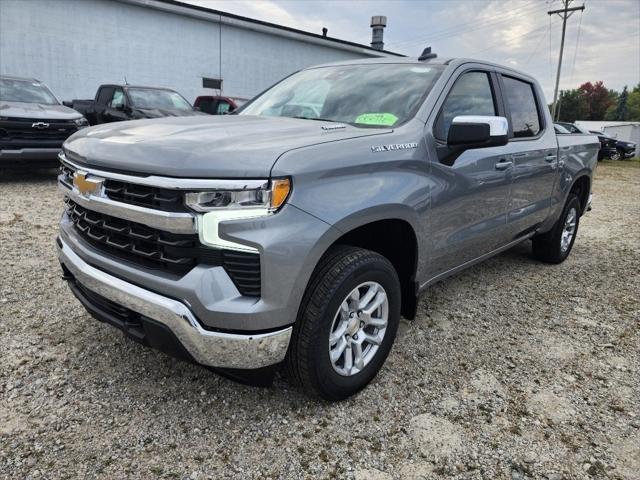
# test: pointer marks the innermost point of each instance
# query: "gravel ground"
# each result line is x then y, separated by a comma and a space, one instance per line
512, 370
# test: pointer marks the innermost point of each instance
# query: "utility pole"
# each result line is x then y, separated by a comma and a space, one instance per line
564, 13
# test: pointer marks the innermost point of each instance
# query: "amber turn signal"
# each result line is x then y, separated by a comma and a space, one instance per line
280, 189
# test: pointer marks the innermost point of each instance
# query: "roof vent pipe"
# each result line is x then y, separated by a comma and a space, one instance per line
377, 34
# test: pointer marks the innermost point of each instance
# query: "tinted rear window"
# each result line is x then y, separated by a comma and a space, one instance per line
520, 96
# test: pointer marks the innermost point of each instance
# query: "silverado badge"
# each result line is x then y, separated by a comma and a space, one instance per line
87, 186
394, 146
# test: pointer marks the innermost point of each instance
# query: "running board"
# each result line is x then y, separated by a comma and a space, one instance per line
481, 258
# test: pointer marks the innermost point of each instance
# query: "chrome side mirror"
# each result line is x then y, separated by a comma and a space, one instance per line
478, 131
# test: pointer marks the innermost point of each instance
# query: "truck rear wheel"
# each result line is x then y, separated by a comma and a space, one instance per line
555, 245
347, 323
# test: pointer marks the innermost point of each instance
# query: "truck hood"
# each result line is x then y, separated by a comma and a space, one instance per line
164, 112
37, 111
209, 146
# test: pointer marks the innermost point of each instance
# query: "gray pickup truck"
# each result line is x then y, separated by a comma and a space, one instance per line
33, 123
296, 232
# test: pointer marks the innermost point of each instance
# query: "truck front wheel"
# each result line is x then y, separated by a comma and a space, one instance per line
347, 323
555, 245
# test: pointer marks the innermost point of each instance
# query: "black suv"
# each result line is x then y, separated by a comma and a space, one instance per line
607, 144
622, 149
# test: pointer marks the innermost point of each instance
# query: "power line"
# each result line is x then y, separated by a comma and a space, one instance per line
454, 31
564, 13
535, 49
575, 50
512, 38
463, 27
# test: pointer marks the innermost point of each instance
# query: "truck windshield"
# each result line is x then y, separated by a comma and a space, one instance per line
25, 91
151, 98
369, 95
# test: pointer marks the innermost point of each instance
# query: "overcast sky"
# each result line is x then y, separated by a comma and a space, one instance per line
517, 33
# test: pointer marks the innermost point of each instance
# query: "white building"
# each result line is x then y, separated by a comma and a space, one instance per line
74, 46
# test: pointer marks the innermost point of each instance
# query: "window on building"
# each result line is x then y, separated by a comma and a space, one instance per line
525, 120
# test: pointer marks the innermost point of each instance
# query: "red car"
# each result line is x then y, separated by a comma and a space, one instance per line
216, 105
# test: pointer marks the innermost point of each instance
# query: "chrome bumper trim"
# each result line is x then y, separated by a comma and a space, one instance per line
174, 222
214, 349
170, 182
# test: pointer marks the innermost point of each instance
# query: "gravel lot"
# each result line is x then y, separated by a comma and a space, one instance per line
512, 370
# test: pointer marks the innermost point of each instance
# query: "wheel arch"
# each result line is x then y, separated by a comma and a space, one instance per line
394, 238
581, 186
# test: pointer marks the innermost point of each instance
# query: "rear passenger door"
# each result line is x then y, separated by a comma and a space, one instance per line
534, 149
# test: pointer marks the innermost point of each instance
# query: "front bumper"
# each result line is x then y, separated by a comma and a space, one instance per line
207, 347
24, 156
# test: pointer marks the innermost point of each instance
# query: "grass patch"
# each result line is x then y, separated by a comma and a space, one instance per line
628, 163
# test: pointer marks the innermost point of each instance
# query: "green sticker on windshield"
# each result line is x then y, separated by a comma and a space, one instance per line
385, 119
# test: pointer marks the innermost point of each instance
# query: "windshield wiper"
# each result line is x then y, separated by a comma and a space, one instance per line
317, 119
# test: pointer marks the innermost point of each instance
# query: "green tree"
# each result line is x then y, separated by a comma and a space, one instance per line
619, 111
573, 105
611, 110
633, 104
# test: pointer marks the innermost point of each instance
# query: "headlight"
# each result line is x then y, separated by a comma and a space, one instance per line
224, 205
81, 122
269, 197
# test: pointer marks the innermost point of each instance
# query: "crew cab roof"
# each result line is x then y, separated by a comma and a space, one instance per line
454, 62
24, 79
128, 85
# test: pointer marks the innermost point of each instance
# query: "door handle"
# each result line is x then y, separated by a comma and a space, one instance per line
550, 158
503, 164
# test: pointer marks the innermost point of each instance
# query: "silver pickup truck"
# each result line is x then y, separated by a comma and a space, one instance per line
33, 123
296, 232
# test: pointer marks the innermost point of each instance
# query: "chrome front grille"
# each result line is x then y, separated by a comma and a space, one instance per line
145, 196
135, 242
20, 132
116, 230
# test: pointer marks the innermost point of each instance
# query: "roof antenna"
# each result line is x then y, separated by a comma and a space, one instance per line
427, 55
125, 81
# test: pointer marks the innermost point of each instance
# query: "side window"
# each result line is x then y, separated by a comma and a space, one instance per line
521, 99
206, 105
104, 96
118, 98
223, 107
470, 95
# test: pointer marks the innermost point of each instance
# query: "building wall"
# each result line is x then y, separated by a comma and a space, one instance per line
74, 46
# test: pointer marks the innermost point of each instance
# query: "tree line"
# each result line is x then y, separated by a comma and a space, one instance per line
594, 101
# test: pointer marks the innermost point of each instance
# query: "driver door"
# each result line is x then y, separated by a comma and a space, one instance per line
470, 195
115, 110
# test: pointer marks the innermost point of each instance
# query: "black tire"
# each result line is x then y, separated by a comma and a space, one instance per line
340, 271
618, 155
547, 247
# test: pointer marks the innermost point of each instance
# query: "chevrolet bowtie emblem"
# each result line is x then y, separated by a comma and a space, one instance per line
87, 186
